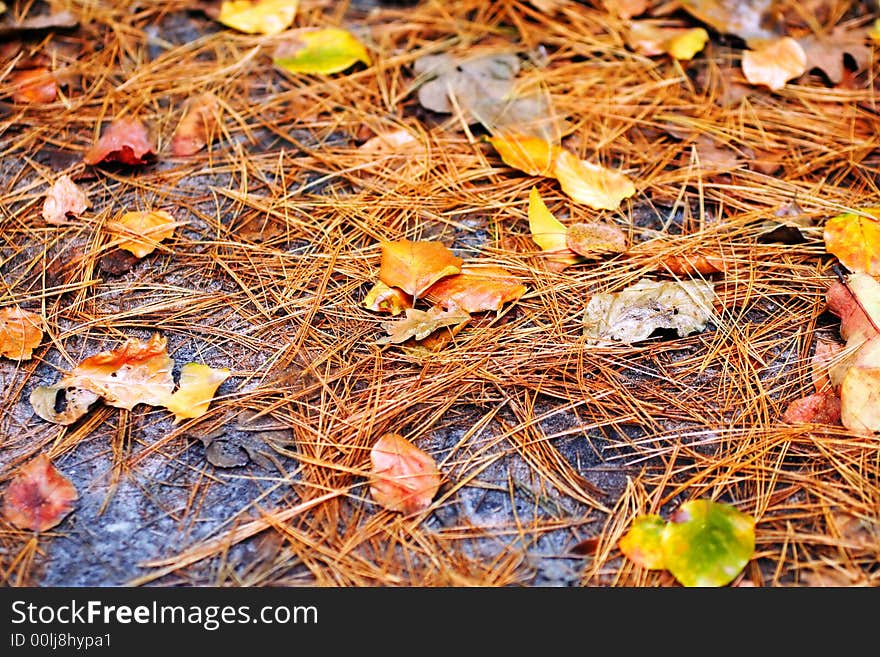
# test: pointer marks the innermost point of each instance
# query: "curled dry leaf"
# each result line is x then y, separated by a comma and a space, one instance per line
64, 198
415, 266
20, 332
642, 543
39, 497
384, 299
774, 63
548, 232
198, 383
143, 230
403, 477
34, 85
634, 313
198, 126
321, 51
595, 237
475, 289
591, 184
61, 404
258, 16
419, 324
855, 240
126, 140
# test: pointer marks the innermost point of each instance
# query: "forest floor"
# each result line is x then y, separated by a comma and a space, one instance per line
549, 444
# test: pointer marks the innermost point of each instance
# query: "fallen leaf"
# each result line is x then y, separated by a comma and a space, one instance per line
419, 324
637, 311
64, 198
750, 20
198, 126
143, 230
125, 140
388, 142
197, 386
866, 290
707, 543
855, 240
322, 51
21, 331
433, 343
826, 51
591, 184
642, 543
61, 404
39, 496
860, 399
548, 232
774, 63
588, 239
35, 85
629, 8
384, 299
855, 325
61, 20
650, 38
533, 155
475, 289
824, 356
415, 266
258, 16
818, 408
403, 477
117, 261
251, 438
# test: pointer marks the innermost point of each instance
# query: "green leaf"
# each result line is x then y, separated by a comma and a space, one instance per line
642, 542
708, 543
321, 51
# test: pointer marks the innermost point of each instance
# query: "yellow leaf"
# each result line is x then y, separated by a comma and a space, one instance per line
323, 51
652, 38
258, 16
547, 231
855, 240
198, 383
384, 299
687, 44
532, 155
591, 184
144, 230
774, 63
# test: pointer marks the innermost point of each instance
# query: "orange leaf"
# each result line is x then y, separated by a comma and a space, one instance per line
62, 199
384, 299
855, 240
39, 496
685, 265
415, 266
591, 184
144, 229
476, 289
818, 408
126, 141
35, 85
774, 63
198, 125
595, 237
404, 478
532, 155
20, 332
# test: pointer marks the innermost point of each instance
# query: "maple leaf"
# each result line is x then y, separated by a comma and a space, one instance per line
855, 240
198, 125
415, 266
143, 230
64, 198
126, 140
21, 331
403, 477
475, 289
258, 16
39, 496
323, 51
197, 386
419, 324
774, 63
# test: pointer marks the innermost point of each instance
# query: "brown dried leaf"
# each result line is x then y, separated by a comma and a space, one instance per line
774, 63
126, 140
198, 126
403, 477
595, 237
61, 404
826, 51
64, 198
20, 332
475, 289
39, 497
415, 266
419, 324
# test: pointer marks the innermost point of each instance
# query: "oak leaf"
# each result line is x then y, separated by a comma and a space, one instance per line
403, 478
826, 51
39, 496
415, 266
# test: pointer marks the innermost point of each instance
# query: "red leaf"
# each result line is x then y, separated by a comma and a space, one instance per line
126, 141
39, 497
404, 477
818, 408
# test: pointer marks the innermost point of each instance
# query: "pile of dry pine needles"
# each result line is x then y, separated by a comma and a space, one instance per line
549, 445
